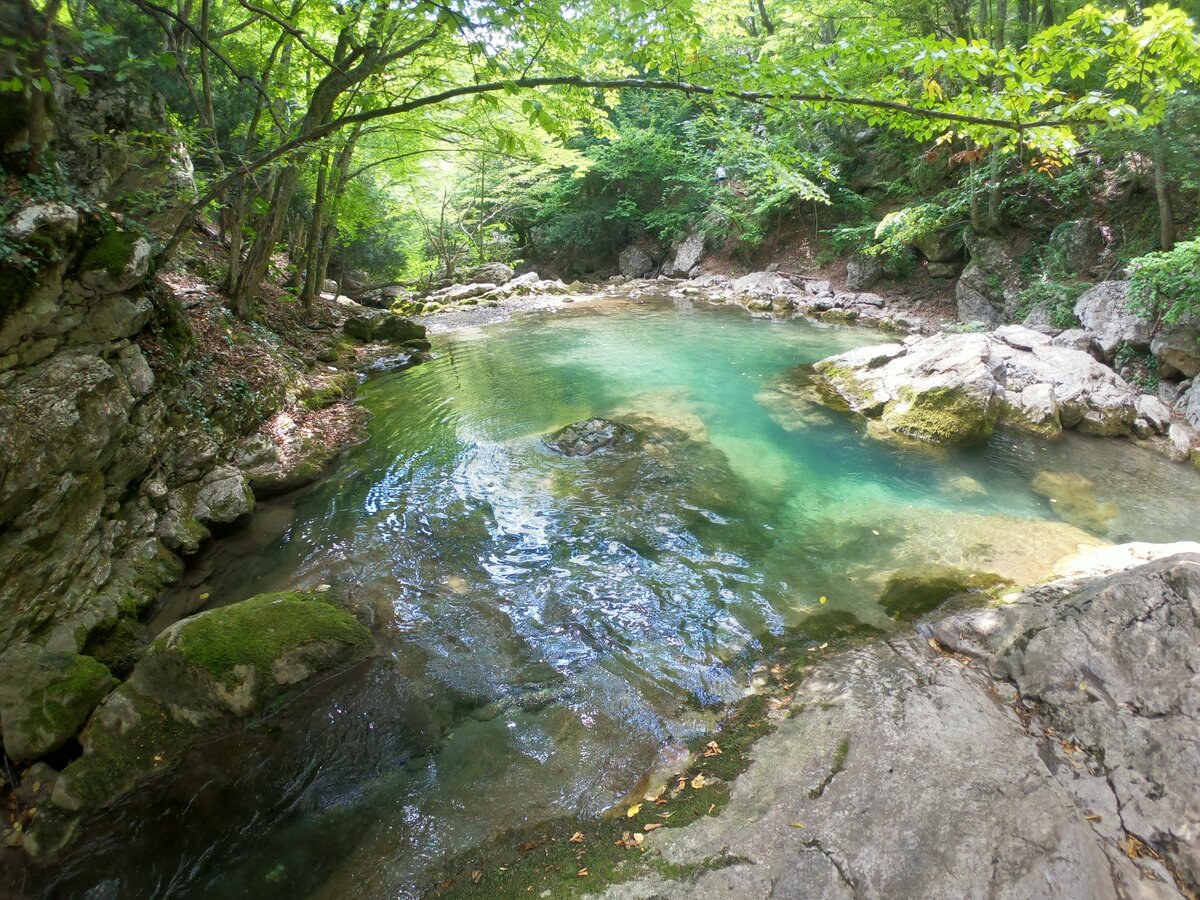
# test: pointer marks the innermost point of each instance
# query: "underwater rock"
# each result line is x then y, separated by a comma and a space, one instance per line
200, 677
585, 438
1074, 499
910, 593
45, 697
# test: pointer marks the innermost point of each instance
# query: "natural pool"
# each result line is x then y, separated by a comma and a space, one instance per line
552, 627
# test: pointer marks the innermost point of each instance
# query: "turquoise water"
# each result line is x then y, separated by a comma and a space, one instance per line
552, 628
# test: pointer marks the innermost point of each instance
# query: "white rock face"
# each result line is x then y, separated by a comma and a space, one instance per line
955, 388
1104, 316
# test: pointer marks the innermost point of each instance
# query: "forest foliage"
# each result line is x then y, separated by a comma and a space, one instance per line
409, 139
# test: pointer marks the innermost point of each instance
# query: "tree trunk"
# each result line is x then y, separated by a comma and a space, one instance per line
1162, 192
316, 230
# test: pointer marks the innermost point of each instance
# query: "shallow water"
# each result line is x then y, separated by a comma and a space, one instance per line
551, 627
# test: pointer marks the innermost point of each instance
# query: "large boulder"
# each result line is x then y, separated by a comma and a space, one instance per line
201, 677
634, 262
1177, 349
1102, 310
380, 325
942, 246
493, 273
1081, 243
943, 390
45, 697
988, 290
586, 438
685, 256
955, 388
863, 272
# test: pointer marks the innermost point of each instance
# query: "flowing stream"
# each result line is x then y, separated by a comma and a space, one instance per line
553, 628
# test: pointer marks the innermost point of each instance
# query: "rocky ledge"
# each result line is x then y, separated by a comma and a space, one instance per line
955, 388
1045, 746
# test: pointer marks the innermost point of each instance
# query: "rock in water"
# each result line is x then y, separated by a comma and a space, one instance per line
955, 388
45, 697
585, 438
200, 677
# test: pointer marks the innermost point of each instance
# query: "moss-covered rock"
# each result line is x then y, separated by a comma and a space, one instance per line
942, 415
45, 697
201, 677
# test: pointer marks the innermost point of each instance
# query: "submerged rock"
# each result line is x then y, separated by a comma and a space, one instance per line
585, 438
1074, 499
45, 697
200, 677
913, 592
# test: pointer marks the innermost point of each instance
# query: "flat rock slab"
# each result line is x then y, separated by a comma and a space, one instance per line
916, 768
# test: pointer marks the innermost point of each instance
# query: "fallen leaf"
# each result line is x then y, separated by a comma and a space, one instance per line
634, 810
698, 782
665, 815
824, 599
527, 846
797, 824
712, 749
476, 875
1093, 818
638, 838
653, 825
582, 873
204, 596
577, 837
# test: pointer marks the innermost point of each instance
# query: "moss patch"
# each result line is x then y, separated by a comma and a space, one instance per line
110, 253
259, 631
941, 416
911, 593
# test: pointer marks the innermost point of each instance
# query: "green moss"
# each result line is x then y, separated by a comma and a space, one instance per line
331, 391
65, 702
911, 593
110, 253
941, 416
844, 382
839, 762
259, 631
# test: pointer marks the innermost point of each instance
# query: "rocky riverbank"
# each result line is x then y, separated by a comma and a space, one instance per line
1045, 745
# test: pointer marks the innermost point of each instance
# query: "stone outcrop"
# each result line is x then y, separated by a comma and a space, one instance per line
1081, 243
1103, 314
1045, 746
955, 388
634, 262
988, 290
